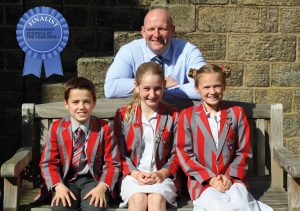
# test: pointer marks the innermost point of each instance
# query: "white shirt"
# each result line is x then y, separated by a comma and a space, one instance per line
214, 124
147, 161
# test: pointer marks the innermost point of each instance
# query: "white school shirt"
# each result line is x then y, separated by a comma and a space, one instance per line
147, 161
214, 124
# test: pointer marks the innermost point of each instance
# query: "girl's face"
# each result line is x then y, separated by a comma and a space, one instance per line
211, 89
151, 90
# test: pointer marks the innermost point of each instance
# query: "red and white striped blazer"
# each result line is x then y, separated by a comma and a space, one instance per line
197, 152
129, 136
102, 153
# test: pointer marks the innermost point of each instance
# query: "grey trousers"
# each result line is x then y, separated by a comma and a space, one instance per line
80, 187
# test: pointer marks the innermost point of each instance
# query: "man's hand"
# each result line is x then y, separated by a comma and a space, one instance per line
63, 194
170, 82
97, 195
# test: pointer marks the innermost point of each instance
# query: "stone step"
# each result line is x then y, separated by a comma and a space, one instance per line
94, 69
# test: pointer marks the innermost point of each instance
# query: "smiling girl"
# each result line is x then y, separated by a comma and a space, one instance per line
145, 130
213, 147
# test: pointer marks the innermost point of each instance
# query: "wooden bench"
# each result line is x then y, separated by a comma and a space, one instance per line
265, 175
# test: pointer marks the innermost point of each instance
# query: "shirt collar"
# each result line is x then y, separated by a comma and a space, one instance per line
75, 125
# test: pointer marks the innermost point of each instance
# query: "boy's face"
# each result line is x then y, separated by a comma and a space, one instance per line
80, 104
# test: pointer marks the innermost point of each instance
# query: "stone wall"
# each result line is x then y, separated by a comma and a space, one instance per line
259, 39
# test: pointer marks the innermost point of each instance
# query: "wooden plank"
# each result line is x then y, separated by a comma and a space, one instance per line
293, 193
251, 168
11, 194
288, 161
106, 108
15, 165
260, 136
276, 139
28, 115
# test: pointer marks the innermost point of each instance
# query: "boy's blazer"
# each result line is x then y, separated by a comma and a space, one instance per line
129, 136
197, 152
102, 153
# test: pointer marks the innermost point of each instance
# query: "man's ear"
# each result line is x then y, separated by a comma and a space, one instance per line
143, 31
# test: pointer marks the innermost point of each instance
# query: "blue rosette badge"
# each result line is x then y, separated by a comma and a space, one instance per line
42, 33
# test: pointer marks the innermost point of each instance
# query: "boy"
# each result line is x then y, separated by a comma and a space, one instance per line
80, 161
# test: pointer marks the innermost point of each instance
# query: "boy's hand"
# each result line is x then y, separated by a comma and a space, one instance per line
217, 183
62, 193
97, 195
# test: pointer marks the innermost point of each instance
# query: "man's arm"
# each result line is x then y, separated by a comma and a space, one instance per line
119, 81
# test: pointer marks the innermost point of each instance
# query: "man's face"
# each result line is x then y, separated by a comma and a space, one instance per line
158, 31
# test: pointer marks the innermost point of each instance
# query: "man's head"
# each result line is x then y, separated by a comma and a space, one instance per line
158, 30
80, 98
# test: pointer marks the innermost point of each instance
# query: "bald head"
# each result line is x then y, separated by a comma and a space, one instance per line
159, 12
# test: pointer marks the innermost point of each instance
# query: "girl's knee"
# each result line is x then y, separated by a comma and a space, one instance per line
156, 198
138, 201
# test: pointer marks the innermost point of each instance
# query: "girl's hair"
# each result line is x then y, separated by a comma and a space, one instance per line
223, 71
151, 68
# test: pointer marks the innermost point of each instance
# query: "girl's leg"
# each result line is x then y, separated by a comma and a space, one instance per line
156, 202
137, 202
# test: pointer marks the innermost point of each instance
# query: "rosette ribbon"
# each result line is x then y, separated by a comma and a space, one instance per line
42, 33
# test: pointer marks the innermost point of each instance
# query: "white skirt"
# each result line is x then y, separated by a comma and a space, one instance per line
237, 198
130, 186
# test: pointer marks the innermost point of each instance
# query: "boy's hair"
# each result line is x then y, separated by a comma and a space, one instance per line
79, 83
223, 71
151, 68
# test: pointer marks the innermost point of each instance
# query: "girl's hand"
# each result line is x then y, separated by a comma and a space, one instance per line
63, 194
160, 175
143, 178
217, 183
227, 182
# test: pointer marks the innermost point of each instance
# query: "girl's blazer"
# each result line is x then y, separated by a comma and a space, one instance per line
129, 136
102, 153
197, 152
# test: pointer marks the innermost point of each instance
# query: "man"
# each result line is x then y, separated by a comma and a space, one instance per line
176, 57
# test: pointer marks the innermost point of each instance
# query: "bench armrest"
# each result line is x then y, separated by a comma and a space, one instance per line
15, 165
288, 161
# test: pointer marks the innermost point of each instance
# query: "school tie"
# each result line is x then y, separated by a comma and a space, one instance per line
158, 60
77, 149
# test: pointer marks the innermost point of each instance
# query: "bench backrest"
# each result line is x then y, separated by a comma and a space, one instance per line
265, 122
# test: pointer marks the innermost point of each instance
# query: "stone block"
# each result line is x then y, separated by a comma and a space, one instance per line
183, 17
2, 61
122, 38
293, 145
121, 17
267, 2
291, 126
10, 99
91, 40
11, 82
262, 48
52, 92
12, 14
69, 56
257, 75
8, 38
1, 15
236, 74
238, 94
212, 46
95, 70
236, 19
286, 75
209, 1
268, 96
297, 100
12, 120
11, 143
290, 20
75, 16
15, 61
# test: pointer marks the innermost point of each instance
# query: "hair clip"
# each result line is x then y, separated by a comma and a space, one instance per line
226, 70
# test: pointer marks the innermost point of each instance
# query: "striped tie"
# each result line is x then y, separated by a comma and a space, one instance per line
77, 149
158, 60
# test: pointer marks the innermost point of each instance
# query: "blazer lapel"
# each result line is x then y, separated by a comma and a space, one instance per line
93, 141
66, 134
225, 123
202, 121
162, 119
138, 129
